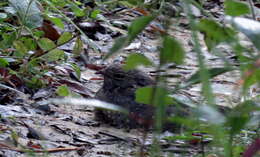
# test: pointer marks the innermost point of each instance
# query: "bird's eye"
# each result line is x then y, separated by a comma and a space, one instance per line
119, 76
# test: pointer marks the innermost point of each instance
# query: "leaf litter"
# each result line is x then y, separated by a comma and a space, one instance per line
69, 127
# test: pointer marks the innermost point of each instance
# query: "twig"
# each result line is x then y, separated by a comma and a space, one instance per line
3, 146
55, 47
110, 135
12, 89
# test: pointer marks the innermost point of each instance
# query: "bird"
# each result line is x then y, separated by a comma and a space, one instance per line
119, 88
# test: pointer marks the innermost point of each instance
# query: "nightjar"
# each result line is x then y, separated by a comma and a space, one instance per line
119, 88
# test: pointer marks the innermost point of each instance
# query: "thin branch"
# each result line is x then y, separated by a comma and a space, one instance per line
52, 150
12, 89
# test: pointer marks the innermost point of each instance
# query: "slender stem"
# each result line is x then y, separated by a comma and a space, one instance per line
202, 146
251, 3
204, 74
158, 117
230, 145
159, 108
198, 5
12, 89
58, 45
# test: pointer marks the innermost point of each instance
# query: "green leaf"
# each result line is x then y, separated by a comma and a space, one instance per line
145, 95
9, 10
249, 27
54, 55
29, 43
59, 3
46, 44
38, 34
63, 90
131, 3
252, 79
210, 42
65, 37
195, 78
28, 12
57, 21
94, 13
32, 66
3, 63
128, 3
21, 48
157, 96
236, 8
118, 45
3, 15
136, 59
78, 47
8, 39
210, 114
137, 26
240, 116
220, 33
181, 137
35, 83
185, 121
77, 11
172, 51
76, 69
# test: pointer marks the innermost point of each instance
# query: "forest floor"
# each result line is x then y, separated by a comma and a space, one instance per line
70, 130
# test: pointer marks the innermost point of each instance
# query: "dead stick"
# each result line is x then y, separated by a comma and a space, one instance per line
3, 146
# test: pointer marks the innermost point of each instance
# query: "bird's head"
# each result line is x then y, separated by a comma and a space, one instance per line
115, 76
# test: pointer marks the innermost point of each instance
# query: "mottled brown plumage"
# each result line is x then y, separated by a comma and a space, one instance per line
119, 88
